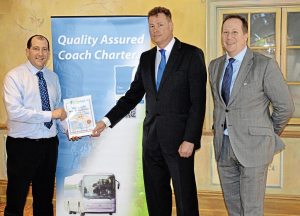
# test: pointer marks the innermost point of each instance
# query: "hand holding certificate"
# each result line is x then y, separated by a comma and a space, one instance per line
81, 121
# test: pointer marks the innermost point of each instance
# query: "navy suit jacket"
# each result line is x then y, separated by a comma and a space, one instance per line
176, 111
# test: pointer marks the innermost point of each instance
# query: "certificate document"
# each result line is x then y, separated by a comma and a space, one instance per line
81, 121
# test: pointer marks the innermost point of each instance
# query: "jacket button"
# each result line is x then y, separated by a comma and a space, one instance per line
227, 110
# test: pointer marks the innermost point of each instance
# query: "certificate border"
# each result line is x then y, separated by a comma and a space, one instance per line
84, 132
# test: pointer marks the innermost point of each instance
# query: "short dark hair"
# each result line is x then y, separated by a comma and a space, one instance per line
155, 11
40, 37
236, 16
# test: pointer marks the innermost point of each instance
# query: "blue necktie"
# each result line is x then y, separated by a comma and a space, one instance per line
225, 91
44, 96
161, 67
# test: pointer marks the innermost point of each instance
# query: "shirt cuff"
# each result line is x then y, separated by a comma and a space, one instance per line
47, 116
64, 125
106, 121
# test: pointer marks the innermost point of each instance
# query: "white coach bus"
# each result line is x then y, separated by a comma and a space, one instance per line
90, 193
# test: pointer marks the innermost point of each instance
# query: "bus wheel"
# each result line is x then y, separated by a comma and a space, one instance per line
70, 212
82, 214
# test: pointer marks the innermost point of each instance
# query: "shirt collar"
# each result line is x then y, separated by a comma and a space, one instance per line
33, 69
239, 57
169, 47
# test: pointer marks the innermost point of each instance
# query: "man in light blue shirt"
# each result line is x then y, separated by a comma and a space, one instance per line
31, 145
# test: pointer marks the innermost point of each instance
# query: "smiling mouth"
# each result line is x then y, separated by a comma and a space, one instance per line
157, 35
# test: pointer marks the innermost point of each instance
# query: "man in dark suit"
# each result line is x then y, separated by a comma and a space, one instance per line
246, 133
175, 108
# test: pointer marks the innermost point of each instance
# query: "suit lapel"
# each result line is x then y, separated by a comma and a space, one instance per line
242, 74
219, 75
171, 64
152, 67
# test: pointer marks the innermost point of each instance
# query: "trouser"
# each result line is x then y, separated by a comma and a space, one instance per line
159, 167
243, 187
30, 161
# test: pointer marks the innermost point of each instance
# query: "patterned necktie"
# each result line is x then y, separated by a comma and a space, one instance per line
44, 96
161, 67
225, 92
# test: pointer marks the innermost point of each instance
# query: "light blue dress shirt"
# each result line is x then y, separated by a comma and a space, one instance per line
236, 67
168, 49
23, 102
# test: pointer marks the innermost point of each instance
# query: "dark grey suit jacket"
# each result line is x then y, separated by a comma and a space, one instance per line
253, 129
177, 110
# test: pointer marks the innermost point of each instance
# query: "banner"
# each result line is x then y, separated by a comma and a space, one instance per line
98, 56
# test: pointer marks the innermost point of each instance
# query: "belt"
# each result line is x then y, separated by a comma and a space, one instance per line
40, 139
36, 140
